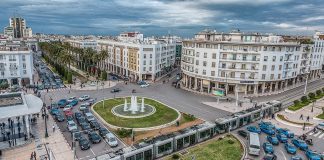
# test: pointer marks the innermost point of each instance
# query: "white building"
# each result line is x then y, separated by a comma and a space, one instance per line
138, 59
248, 64
16, 63
83, 43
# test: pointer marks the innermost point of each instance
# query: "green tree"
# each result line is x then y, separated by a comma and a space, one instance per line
104, 75
311, 95
69, 77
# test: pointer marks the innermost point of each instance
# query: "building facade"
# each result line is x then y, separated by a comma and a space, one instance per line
83, 44
178, 53
247, 64
16, 64
17, 28
138, 60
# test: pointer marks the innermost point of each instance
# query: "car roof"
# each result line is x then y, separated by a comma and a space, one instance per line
110, 135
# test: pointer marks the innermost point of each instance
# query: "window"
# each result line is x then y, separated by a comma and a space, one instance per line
274, 58
23, 57
196, 70
264, 68
213, 64
272, 67
204, 72
214, 56
279, 76
232, 74
242, 76
197, 54
271, 76
150, 68
24, 65
222, 74
244, 57
223, 65
164, 148
144, 68
281, 58
205, 55
265, 58
253, 58
280, 67
144, 56
234, 56
144, 62
212, 73
204, 63
150, 62
150, 55
263, 76
243, 66
197, 62
224, 56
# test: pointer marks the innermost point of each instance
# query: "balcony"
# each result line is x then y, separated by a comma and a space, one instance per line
241, 60
13, 68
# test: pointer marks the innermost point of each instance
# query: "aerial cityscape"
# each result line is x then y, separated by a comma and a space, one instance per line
167, 80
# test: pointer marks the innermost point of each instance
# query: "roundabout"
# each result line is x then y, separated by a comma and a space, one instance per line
138, 113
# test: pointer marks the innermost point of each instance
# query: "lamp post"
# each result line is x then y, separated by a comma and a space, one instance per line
305, 90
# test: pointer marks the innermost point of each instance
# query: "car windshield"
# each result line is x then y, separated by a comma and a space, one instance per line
112, 139
255, 146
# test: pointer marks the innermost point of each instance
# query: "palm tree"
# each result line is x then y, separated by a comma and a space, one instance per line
103, 55
66, 58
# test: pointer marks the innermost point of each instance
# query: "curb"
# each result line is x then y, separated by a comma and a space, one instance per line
243, 146
137, 129
317, 119
290, 124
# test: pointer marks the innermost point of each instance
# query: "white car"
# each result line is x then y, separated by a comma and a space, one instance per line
67, 107
72, 126
84, 98
321, 126
145, 85
83, 106
111, 140
71, 99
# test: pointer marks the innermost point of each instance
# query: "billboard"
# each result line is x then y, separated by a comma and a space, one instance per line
219, 92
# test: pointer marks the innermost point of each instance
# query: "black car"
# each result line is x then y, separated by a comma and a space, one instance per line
81, 120
85, 126
94, 137
84, 143
270, 157
242, 133
103, 131
95, 125
77, 115
59, 117
115, 90
77, 135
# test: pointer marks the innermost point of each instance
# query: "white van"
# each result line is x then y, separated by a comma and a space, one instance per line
111, 140
254, 144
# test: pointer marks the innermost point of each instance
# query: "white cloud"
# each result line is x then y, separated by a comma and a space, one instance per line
310, 19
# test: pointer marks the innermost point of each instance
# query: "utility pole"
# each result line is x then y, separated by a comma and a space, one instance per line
305, 90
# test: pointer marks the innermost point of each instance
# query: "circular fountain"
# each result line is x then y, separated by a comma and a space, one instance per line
133, 109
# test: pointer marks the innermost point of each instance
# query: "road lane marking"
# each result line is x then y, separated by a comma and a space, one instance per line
321, 135
283, 154
318, 133
311, 133
92, 152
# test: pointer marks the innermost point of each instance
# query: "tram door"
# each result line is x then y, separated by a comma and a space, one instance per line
241, 122
192, 139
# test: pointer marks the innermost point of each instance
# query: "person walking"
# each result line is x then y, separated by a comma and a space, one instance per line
35, 155
53, 128
307, 119
301, 117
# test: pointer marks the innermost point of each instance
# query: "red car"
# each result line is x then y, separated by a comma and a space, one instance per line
68, 113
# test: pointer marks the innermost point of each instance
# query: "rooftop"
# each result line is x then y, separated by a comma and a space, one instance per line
10, 100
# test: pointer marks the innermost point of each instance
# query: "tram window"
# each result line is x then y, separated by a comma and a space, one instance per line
130, 158
220, 126
186, 139
148, 155
179, 143
139, 156
256, 115
164, 148
245, 118
233, 124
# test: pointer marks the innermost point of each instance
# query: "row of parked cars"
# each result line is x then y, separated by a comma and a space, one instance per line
275, 136
82, 121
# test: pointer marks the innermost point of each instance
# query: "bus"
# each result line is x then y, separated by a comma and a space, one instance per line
254, 144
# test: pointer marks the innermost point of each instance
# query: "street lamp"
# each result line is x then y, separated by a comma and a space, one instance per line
306, 84
46, 132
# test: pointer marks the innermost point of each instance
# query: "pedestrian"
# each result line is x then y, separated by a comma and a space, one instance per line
53, 128
307, 119
304, 125
47, 90
272, 116
301, 117
34, 155
43, 116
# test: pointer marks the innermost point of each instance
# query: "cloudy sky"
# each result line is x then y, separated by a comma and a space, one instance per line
160, 17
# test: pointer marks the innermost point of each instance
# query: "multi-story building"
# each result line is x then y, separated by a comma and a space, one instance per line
9, 31
16, 63
83, 43
17, 28
248, 64
138, 59
178, 53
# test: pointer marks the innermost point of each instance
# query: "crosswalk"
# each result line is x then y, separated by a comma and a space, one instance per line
51, 90
319, 134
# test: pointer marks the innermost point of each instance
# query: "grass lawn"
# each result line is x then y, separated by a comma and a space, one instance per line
299, 106
228, 148
162, 115
321, 116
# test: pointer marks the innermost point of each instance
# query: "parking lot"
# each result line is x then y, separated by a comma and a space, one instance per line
279, 150
95, 149
47, 79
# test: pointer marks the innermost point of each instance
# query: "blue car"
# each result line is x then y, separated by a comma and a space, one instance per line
311, 155
286, 132
253, 129
273, 140
55, 111
268, 131
62, 102
267, 147
282, 138
290, 148
296, 158
300, 144
266, 125
74, 102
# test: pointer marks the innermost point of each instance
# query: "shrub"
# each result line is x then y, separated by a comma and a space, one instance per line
124, 132
311, 95
318, 92
304, 99
175, 156
104, 75
296, 102
69, 77
230, 141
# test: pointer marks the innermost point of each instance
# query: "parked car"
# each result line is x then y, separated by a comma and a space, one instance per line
103, 131
55, 111
273, 140
61, 103
321, 126
74, 102
84, 98
253, 129
77, 135
115, 90
84, 143
89, 117
94, 137
300, 144
111, 140
145, 85
141, 82
242, 133
87, 110
59, 117
69, 118
297, 157
270, 157
77, 115
267, 130
263, 124
311, 155
290, 148
81, 120
286, 132
91, 101
68, 113
267, 147
67, 107
282, 138
71, 99
72, 126
83, 107
95, 125
86, 127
